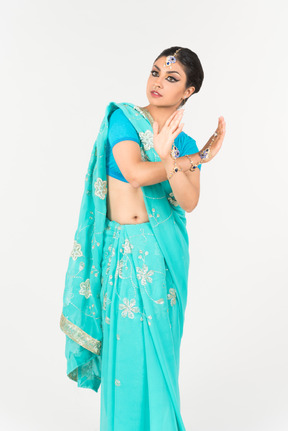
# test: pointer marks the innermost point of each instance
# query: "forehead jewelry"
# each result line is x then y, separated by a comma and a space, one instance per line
171, 59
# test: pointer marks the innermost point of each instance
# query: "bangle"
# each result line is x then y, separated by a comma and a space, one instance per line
193, 165
174, 154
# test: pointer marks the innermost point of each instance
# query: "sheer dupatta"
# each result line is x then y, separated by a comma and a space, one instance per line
81, 319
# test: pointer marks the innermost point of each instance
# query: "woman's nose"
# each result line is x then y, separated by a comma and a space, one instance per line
159, 82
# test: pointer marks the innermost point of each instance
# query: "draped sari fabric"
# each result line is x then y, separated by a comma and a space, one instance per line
95, 264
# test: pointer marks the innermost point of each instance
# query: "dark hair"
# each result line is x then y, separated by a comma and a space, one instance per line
191, 65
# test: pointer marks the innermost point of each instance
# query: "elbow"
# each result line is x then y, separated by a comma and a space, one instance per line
133, 176
189, 210
133, 180
134, 184
194, 205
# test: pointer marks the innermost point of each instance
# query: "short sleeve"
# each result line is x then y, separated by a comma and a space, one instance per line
189, 147
121, 129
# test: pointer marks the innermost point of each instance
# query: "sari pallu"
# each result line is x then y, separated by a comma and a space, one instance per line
83, 300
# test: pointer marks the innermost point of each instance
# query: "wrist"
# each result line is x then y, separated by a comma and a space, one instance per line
168, 163
196, 158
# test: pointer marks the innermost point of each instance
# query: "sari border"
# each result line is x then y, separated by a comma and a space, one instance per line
79, 336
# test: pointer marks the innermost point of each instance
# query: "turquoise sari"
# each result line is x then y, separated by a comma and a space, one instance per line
125, 297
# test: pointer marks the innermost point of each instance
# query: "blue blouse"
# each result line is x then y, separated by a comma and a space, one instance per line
121, 129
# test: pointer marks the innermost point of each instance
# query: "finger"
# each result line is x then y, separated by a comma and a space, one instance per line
173, 116
221, 128
179, 130
221, 123
175, 122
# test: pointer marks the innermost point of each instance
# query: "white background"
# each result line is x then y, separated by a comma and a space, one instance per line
61, 63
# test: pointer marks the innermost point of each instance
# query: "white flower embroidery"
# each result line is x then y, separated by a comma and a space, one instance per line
68, 295
172, 296
128, 308
105, 301
172, 199
76, 251
119, 268
143, 275
100, 188
160, 301
147, 139
85, 289
127, 246
117, 382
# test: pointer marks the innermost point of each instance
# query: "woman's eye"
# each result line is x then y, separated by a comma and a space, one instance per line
172, 79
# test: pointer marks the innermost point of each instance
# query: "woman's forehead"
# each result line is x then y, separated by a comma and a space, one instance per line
175, 67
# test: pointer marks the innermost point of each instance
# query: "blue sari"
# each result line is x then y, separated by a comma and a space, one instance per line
125, 297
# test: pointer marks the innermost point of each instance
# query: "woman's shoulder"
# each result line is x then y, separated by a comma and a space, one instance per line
185, 139
120, 126
117, 114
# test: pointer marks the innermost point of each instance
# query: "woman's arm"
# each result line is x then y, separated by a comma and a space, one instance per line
186, 190
144, 173
148, 173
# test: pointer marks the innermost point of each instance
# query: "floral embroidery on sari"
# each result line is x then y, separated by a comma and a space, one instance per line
100, 188
85, 288
147, 139
172, 296
76, 251
128, 308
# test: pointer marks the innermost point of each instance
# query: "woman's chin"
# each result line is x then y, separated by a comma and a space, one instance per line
155, 101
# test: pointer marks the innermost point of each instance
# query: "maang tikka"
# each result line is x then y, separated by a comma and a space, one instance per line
171, 59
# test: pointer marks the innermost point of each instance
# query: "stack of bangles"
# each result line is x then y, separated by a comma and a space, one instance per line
204, 155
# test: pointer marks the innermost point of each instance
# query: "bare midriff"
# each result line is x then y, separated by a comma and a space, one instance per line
125, 203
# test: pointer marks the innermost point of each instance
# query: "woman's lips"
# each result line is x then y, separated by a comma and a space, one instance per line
155, 94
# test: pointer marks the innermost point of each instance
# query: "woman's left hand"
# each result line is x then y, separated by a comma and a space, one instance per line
163, 141
215, 142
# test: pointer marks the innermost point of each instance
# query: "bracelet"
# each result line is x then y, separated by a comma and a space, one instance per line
193, 165
205, 154
174, 154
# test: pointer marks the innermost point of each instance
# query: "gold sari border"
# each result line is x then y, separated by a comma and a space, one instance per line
79, 336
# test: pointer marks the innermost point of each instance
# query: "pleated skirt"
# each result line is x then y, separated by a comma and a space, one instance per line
141, 341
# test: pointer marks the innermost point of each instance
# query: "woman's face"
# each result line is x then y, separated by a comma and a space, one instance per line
170, 84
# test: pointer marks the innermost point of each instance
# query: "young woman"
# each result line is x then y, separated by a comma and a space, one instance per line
127, 279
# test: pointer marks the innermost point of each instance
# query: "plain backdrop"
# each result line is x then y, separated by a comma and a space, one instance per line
61, 63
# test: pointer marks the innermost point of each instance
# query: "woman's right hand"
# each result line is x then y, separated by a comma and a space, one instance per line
163, 140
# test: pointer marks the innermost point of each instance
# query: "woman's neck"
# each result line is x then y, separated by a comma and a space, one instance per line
160, 114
